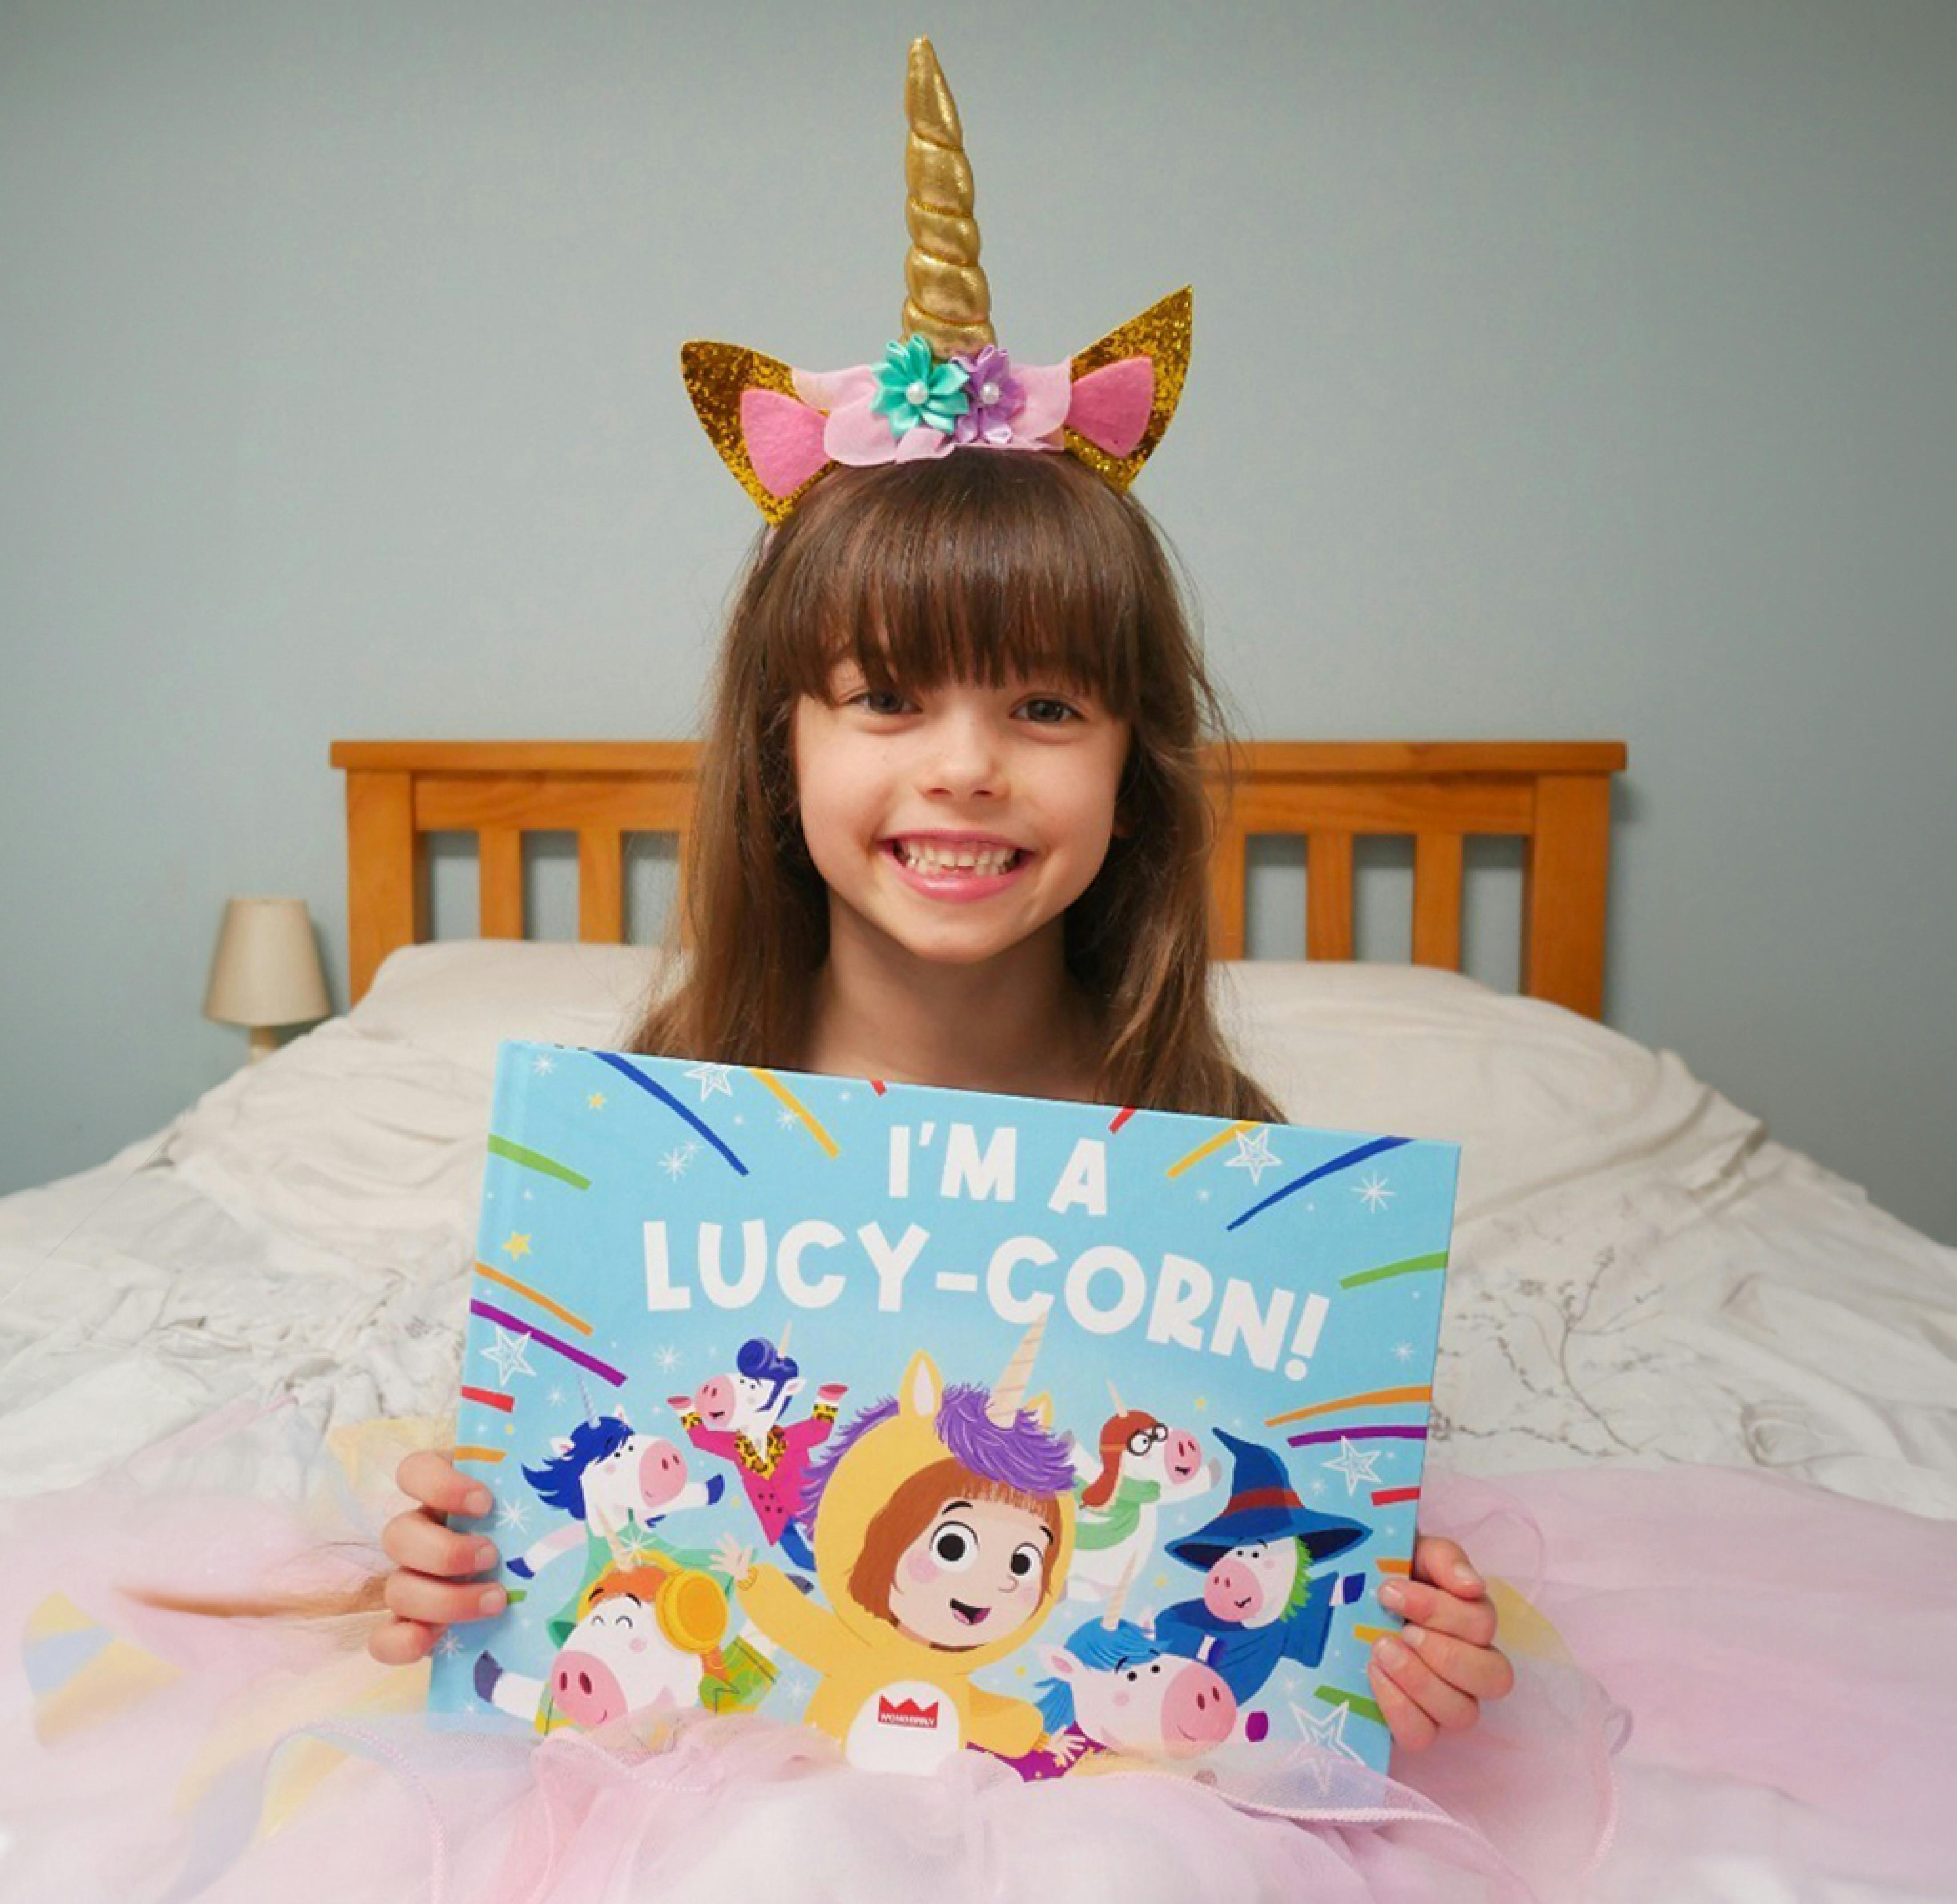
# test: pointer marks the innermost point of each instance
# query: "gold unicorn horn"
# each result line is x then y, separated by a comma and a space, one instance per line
1114, 1395
782, 1347
1002, 1409
949, 300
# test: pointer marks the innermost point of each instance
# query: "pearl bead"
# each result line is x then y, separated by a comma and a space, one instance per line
988, 395
915, 396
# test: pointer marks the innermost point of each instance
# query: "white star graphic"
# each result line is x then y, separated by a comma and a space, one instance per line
1355, 1466
1373, 1192
711, 1078
667, 1358
1404, 1350
1322, 1745
448, 1645
516, 1516
673, 1163
544, 1066
1254, 1154
784, 1118
635, 1546
507, 1352
557, 1398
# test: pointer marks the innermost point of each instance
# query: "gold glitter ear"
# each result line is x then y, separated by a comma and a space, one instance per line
1162, 334
716, 375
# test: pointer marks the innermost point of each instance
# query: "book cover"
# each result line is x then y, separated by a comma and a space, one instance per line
940, 1421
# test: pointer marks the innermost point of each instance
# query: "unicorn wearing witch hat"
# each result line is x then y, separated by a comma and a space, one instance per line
943, 1526
1263, 1600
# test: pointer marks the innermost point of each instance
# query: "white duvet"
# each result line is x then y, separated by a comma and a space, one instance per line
1638, 1273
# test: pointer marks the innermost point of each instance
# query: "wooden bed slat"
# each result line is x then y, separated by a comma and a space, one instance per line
1563, 887
499, 863
385, 852
1436, 900
601, 888
1328, 894
1556, 795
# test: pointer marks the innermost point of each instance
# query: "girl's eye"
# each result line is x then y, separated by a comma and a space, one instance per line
954, 1544
1024, 1562
1048, 713
875, 701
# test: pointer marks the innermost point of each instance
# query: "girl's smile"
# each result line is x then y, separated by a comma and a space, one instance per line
958, 866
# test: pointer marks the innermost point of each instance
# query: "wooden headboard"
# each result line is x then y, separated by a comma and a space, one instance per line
1554, 795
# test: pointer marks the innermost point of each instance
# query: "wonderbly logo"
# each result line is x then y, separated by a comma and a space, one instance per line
906, 1711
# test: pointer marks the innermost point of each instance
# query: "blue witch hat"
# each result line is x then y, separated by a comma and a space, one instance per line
1263, 1507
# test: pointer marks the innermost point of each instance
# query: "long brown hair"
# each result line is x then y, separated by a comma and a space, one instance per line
973, 567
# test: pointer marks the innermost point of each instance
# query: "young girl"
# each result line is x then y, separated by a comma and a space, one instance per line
952, 830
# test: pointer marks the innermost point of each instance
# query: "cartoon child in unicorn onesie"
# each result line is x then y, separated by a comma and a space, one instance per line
943, 1529
1262, 1602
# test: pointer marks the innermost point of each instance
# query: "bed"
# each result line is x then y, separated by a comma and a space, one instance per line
1641, 1276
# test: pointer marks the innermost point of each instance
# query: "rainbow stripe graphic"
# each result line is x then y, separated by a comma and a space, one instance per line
625, 1068
1378, 1147
1437, 1261
809, 1121
491, 1274
489, 1313
530, 1160
1209, 1149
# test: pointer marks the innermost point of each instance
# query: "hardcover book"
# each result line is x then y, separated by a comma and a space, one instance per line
939, 1421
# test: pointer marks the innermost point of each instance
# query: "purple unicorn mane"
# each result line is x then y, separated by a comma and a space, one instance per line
1025, 1457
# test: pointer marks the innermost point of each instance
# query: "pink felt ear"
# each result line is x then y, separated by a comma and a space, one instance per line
784, 440
1111, 405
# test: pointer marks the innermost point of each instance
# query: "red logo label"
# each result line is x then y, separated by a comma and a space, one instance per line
906, 1711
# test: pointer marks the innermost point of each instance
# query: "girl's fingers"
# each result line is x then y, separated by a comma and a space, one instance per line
439, 1484
440, 1603
1441, 1705
1443, 1564
1410, 1726
400, 1643
413, 1540
1479, 1672
1473, 1620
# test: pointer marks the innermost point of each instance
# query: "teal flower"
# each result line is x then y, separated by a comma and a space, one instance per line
913, 387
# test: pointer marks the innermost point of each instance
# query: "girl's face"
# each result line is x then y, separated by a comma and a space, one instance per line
959, 822
974, 1575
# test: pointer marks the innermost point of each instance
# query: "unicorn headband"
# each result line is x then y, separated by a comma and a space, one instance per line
947, 385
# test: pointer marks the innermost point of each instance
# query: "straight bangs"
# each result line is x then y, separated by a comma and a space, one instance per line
980, 567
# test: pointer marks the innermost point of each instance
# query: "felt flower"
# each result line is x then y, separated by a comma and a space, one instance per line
995, 395
913, 387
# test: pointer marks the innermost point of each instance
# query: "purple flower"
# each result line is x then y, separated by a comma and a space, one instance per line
994, 394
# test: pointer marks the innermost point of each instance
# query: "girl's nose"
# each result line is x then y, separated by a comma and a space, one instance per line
963, 760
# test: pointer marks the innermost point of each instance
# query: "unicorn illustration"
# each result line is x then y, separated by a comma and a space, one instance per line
943, 1527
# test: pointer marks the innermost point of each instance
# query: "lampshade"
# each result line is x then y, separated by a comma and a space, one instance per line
266, 969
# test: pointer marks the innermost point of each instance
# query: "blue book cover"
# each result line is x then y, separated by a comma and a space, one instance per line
940, 1421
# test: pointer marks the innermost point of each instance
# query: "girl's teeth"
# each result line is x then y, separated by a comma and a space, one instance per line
978, 859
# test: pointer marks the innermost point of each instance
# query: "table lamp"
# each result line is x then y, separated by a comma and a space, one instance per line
265, 972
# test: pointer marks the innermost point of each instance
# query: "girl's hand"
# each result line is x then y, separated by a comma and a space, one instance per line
1433, 1675
425, 1592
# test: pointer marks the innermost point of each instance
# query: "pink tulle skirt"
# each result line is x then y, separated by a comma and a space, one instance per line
1729, 1687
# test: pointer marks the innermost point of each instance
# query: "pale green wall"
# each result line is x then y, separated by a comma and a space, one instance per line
1571, 369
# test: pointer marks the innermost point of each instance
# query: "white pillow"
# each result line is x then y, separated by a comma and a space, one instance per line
460, 997
1533, 1093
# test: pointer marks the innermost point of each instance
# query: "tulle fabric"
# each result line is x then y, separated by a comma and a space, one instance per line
1727, 1686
